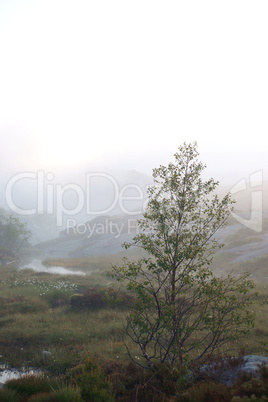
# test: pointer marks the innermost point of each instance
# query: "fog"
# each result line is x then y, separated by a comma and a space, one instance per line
117, 87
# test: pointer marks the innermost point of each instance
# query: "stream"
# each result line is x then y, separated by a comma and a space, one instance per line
37, 266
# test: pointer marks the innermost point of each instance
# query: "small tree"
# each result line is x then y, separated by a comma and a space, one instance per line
182, 311
13, 233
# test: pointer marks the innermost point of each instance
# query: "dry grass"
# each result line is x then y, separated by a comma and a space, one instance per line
36, 317
29, 324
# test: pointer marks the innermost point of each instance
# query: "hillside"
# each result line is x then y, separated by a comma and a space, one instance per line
244, 248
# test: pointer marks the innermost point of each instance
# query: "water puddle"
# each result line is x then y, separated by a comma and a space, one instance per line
10, 374
37, 266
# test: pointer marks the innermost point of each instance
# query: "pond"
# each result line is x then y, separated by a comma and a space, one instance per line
37, 266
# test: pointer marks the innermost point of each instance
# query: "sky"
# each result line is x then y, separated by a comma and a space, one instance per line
121, 84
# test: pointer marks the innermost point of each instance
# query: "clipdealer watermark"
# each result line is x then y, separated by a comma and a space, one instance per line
102, 228
50, 201
50, 196
254, 186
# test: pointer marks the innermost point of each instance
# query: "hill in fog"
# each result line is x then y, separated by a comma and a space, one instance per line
85, 235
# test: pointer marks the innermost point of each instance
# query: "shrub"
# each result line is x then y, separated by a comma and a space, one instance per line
7, 395
126, 379
94, 298
99, 298
56, 298
118, 298
248, 385
42, 397
92, 382
77, 301
263, 372
29, 384
131, 382
90, 300
253, 398
67, 394
205, 391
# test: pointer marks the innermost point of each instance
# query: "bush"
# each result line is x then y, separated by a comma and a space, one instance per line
253, 398
8, 395
126, 379
77, 301
131, 382
99, 298
42, 397
118, 298
248, 385
67, 394
56, 298
93, 301
205, 391
29, 384
93, 384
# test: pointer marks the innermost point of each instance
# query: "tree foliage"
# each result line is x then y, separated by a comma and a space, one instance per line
13, 233
183, 312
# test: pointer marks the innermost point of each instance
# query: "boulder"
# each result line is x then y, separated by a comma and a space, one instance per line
228, 370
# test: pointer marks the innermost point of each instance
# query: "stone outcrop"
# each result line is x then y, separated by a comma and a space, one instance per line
228, 370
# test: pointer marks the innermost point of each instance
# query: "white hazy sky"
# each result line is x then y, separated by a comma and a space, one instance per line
123, 83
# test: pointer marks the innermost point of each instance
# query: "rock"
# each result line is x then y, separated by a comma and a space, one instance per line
228, 370
253, 362
46, 353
